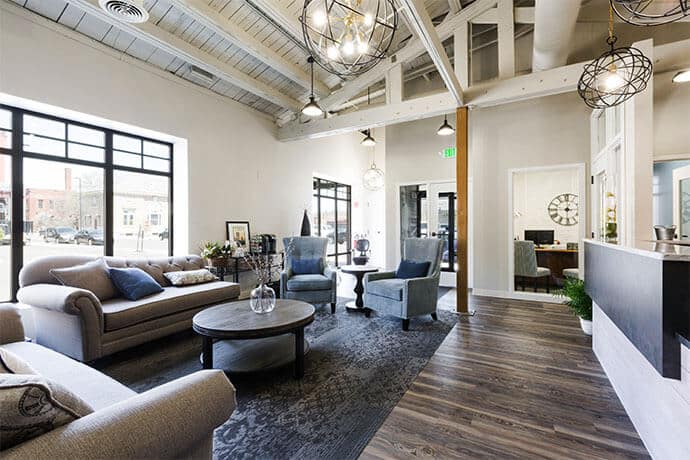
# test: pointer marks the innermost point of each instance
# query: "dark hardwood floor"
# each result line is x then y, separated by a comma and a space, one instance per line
517, 380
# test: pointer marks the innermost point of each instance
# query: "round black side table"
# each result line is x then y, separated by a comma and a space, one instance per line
358, 271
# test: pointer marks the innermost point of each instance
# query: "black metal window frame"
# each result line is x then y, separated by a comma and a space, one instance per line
17, 154
451, 198
317, 182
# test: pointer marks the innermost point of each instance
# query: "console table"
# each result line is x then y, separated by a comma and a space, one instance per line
236, 266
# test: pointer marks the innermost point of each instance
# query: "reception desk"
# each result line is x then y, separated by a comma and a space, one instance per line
641, 320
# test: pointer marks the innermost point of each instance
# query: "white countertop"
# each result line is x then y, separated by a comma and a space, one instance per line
664, 250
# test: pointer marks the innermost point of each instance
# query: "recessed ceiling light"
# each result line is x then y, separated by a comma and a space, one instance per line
682, 77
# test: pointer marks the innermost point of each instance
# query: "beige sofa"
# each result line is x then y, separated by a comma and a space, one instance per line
174, 420
74, 322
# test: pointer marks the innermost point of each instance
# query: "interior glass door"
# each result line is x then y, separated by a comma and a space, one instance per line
447, 229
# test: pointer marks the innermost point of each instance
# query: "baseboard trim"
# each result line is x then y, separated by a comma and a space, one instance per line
517, 295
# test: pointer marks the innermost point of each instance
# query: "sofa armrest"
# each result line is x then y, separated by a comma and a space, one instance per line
63, 299
378, 276
163, 422
11, 327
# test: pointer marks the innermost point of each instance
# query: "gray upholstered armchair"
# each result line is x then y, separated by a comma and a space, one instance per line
406, 298
525, 258
315, 288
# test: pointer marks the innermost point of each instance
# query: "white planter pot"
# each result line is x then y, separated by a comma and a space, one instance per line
586, 326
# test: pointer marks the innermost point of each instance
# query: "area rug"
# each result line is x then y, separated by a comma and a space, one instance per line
357, 370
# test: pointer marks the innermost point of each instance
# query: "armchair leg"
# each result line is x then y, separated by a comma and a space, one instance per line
548, 284
332, 308
434, 316
406, 325
536, 280
367, 312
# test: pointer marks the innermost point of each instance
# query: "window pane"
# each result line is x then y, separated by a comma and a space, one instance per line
5, 139
140, 212
37, 144
126, 159
328, 223
63, 209
5, 235
343, 191
43, 126
130, 144
86, 135
5, 119
85, 152
156, 164
327, 188
156, 150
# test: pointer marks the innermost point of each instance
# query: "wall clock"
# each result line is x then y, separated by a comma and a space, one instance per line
563, 209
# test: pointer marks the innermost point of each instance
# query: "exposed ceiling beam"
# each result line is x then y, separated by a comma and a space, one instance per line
420, 20
521, 15
506, 39
454, 6
185, 51
290, 23
413, 49
230, 31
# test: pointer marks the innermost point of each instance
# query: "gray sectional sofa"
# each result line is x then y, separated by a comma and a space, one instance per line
74, 322
174, 420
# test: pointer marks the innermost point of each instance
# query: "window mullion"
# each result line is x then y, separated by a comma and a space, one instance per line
108, 192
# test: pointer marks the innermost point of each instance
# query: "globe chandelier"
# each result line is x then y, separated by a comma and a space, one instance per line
615, 76
348, 37
373, 178
651, 12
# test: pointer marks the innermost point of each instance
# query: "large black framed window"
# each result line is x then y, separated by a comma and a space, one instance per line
332, 207
68, 187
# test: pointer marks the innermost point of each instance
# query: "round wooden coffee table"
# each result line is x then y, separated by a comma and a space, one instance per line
248, 341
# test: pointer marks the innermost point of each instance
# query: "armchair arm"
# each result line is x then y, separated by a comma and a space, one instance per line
63, 299
164, 422
11, 328
284, 277
378, 276
420, 296
330, 272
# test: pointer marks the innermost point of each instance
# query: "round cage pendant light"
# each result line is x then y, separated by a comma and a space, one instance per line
615, 76
651, 12
348, 37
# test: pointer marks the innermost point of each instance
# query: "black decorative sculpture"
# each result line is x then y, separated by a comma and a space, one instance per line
306, 225
361, 245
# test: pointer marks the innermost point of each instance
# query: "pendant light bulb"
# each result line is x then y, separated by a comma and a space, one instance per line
445, 129
312, 108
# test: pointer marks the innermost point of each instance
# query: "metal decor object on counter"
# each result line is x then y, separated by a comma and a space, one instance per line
665, 233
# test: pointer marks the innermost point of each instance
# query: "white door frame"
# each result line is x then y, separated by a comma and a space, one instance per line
581, 170
470, 233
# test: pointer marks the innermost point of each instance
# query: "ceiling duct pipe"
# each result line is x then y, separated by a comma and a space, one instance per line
554, 23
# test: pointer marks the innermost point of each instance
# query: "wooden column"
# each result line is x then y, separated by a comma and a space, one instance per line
461, 171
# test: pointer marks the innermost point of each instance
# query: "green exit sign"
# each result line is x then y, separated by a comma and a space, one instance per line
448, 153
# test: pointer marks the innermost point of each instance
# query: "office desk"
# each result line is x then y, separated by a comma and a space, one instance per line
556, 260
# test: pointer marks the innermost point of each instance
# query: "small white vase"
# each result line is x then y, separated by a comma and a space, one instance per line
586, 326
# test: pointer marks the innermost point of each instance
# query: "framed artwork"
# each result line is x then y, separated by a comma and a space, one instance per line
238, 232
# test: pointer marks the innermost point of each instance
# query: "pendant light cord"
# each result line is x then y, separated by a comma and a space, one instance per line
311, 63
611, 40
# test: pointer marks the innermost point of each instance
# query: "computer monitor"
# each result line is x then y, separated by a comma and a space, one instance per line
540, 237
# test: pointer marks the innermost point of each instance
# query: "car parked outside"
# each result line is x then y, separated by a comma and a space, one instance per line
89, 236
60, 234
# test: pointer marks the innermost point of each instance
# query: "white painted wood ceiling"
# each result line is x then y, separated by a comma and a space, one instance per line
243, 13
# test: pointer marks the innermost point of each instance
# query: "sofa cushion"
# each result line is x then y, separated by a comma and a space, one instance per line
121, 313
92, 276
309, 283
187, 278
307, 266
94, 388
134, 283
31, 405
13, 364
411, 269
390, 288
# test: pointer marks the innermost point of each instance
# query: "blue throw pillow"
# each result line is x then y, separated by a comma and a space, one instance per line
306, 266
134, 283
410, 269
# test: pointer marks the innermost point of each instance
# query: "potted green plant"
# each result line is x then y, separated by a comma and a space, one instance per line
579, 302
216, 254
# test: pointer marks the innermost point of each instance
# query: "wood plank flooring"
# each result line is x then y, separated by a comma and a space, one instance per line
517, 380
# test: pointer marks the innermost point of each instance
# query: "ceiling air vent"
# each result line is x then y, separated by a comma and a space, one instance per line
125, 10
201, 76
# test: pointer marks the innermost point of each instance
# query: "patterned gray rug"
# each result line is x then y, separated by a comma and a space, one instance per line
357, 370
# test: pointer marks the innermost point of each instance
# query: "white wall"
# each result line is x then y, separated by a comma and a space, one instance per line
532, 194
671, 120
236, 168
